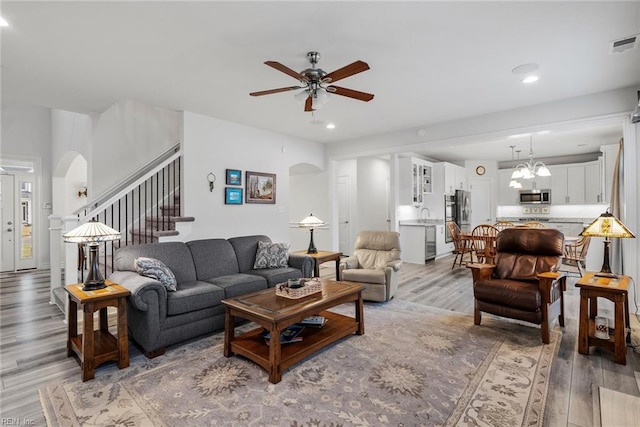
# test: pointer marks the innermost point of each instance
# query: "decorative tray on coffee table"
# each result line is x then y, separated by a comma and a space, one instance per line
308, 287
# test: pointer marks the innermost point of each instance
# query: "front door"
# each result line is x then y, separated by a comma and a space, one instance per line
7, 222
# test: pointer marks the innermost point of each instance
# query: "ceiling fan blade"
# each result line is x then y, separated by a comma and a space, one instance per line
346, 71
278, 66
355, 94
270, 91
308, 104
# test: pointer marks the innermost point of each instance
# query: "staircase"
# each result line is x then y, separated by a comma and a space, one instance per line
145, 208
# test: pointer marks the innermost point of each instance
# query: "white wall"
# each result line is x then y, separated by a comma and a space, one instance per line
309, 193
126, 137
212, 146
26, 134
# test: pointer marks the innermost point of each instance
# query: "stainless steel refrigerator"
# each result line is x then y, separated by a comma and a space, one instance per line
462, 215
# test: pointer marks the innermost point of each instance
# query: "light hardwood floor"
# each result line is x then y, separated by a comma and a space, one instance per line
33, 343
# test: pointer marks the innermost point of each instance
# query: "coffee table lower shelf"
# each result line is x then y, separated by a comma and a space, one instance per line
252, 346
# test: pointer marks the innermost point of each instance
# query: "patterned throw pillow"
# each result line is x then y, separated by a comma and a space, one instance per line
271, 255
156, 269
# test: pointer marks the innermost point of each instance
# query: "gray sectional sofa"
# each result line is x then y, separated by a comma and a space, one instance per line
207, 271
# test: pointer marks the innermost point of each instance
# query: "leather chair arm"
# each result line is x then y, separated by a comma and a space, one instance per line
349, 262
481, 271
395, 264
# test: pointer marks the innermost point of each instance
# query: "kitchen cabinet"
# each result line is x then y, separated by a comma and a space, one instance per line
593, 183
418, 242
567, 184
506, 195
416, 180
455, 178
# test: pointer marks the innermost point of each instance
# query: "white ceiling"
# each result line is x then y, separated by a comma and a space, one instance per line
430, 61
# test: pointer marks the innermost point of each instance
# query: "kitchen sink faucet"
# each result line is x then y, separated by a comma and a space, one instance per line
422, 211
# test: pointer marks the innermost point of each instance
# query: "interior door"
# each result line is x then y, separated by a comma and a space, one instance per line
25, 230
7, 221
481, 211
344, 227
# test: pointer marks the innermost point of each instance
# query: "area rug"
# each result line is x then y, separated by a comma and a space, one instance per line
414, 366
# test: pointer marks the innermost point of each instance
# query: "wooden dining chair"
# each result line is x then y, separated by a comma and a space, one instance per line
534, 224
461, 244
501, 225
483, 239
575, 253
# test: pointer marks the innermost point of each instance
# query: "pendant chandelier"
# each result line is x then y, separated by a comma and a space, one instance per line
514, 183
530, 169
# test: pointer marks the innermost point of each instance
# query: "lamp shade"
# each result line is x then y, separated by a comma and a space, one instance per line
311, 222
92, 231
608, 226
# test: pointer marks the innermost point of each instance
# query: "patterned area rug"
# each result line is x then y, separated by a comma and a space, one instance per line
415, 366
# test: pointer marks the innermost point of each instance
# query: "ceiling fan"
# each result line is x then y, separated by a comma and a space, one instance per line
317, 83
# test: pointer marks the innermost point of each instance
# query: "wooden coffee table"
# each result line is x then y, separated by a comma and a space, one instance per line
275, 313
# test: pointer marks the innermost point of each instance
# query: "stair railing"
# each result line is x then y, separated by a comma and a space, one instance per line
141, 209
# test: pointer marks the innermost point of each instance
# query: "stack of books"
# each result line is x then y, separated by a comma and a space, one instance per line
289, 335
314, 321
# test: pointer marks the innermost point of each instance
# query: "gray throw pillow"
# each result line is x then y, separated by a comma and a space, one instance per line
156, 269
271, 255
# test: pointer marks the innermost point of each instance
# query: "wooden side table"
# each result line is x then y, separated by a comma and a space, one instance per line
324, 256
615, 290
96, 347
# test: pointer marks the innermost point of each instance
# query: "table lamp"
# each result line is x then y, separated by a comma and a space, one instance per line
311, 222
607, 226
93, 233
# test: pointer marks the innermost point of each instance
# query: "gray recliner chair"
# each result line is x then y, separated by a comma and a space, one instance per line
375, 263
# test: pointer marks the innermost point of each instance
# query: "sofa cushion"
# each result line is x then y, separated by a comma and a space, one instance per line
238, 284
271, 255
277, 275
175, 255
245, 248
156, 269
194, 295
213, 258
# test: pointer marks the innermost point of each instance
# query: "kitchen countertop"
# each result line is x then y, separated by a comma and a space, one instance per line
422, 222
548, 219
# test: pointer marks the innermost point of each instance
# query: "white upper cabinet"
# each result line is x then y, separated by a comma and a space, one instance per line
455, 178
506, 194
416, 180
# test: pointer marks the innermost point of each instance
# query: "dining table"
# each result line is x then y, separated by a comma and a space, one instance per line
483, 246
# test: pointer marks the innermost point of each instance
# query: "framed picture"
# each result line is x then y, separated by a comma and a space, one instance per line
260, 187
232, 196
234, 177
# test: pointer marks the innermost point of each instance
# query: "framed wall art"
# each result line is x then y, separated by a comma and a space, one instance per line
260, 187
232, 196
234, 177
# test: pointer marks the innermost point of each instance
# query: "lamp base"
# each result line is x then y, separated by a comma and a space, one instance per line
92, 286
95, 280
605, 274
312, 247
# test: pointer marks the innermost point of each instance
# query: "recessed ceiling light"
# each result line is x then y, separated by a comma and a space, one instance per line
331, 126
3, 22
525, 68
530, 79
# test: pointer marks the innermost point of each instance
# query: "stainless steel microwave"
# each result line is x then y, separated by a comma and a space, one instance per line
535, 197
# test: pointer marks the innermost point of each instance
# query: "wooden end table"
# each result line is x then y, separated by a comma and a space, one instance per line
321, 257
615, 290
275, 313
96, 347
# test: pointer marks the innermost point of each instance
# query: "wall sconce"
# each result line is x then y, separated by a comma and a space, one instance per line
82, 192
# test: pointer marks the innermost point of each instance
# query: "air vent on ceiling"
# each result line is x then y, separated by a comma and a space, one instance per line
618, 46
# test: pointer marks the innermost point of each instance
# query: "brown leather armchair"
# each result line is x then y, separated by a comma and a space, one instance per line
524, 283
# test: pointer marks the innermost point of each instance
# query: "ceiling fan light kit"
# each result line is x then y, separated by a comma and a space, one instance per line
317, 83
